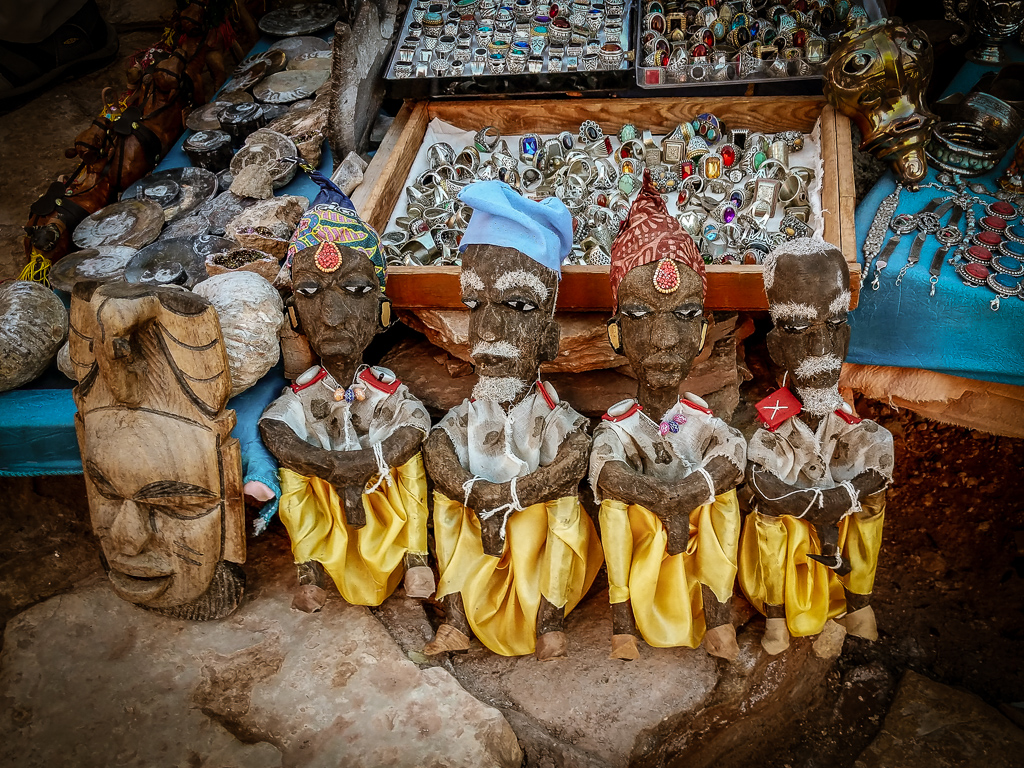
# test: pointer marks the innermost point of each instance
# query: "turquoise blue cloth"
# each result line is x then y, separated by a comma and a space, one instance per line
954, 331
37, 431
501, 216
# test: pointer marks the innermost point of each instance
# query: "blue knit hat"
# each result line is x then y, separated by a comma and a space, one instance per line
501, 216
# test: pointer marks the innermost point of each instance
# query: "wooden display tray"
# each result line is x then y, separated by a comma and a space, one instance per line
585, 289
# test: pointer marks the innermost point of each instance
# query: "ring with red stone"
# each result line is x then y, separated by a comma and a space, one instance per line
973, 274
988, 239
992, 224
977, 254
1002, 210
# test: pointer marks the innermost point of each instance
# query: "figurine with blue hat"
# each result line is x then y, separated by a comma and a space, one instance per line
515, 550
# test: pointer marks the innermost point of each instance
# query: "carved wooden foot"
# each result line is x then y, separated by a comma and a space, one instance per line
776, 636
551, 645
309, 598
447, 639
311, 594
419, 582
624, 647
720, 641
861, 623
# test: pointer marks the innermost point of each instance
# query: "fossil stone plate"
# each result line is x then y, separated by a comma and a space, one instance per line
299, 19
179, 191
297, 46
176, 261
311, 61
271, 150
104, 264
205, 118
135, 223
290, 85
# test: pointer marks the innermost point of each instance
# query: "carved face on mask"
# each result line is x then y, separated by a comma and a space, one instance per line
159, 511
878, 79
809, 299
339, 303
511, 323
661, 332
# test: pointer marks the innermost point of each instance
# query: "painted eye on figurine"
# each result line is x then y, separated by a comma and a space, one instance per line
688, 314
636, 313
307, 289
790, 328
358, 290
471, 303
521, 306
836, 323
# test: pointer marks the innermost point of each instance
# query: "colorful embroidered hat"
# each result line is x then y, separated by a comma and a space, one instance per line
330, 221
651, 233
501, 216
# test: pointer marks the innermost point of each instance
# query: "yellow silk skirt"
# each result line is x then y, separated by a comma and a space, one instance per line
551, 549
665, 590
367, 563
774, 568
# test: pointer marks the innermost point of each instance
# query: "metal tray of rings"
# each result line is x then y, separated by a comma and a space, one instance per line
460, 47
735, 43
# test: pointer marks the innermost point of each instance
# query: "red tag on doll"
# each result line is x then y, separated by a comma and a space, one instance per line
777, 407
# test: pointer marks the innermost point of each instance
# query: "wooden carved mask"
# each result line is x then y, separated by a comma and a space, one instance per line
162, 472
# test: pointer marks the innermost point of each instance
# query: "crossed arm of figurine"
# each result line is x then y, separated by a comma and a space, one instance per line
671, 502
776, 497
348, 471
556, 480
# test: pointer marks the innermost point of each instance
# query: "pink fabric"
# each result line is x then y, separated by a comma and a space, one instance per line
651, 233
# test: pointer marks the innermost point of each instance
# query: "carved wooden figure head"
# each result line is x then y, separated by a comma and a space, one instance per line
658, 283
511, 264
511, 323
661, 333
162, 472
807, 283
339, 307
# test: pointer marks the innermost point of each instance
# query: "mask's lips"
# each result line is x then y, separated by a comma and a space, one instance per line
139, 588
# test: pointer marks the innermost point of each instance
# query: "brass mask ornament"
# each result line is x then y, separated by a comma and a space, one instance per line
877, 77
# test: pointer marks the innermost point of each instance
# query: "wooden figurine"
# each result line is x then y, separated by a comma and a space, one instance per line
515, 550
348, 435
816, 472
664, 465
163, 473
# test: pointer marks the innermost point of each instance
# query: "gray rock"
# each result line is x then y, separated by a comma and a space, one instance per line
931, 725
672, 706
89, 680
250, 313
33, 326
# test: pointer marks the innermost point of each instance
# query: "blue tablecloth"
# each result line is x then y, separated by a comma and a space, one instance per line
37, 429
955, 331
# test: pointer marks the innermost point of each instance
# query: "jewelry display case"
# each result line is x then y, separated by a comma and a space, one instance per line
585, 287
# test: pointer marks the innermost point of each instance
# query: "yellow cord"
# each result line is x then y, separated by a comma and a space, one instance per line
37, 270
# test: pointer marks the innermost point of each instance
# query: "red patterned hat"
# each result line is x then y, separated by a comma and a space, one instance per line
651, 233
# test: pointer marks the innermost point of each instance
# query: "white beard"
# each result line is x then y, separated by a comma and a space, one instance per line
812, 366
820, 402
499, 389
